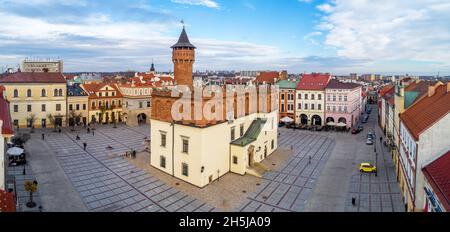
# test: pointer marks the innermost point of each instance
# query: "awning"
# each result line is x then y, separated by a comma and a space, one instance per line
341, 124
287, 120
331, 124
15, 151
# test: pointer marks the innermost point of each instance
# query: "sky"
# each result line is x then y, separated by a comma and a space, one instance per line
336, 36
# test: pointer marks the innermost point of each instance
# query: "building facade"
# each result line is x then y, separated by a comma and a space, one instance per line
437, 185
343, 102
6, 133
424, 133
136, 106
105, 103
286, 106
310, 99
42, 66
36, 99
77, 105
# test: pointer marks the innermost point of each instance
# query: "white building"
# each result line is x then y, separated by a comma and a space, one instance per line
424, 133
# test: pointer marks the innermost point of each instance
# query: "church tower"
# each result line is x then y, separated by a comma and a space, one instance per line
183, 57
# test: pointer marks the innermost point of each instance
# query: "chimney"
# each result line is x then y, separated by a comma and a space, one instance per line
431, 90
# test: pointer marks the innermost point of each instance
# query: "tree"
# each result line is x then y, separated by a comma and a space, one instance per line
31, 187
102, 112
32, 119
113, 119
51, 120
74, 117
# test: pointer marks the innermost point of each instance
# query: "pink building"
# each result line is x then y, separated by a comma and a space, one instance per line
343, 102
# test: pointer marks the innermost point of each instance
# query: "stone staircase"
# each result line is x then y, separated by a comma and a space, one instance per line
258, 170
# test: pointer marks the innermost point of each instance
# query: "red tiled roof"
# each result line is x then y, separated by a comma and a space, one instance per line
314, 81
7, 203
92, 88
69, 76
268, 77
427, 111
438, 175
335, 84
7, 128
33, 77
386, 89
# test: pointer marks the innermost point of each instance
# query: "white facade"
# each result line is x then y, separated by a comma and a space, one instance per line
201, 155
310, 103
415, 155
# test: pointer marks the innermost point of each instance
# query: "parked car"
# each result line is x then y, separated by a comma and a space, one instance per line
367, 168
369, 142
357, 130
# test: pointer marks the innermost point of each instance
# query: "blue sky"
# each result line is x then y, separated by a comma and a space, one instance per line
338, 36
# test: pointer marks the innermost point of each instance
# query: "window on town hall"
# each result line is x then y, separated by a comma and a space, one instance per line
306, 106
232, 133
319, 106
58, 107
43, 107
16, 93
16, 108
29, 108
43, 93
162, 161
306, 96
312, 107
70, 107
55, 93
185, 146
16, 122
313, 96
319, 96
163, 140
235, 160
29, 93
185, 169
60, 92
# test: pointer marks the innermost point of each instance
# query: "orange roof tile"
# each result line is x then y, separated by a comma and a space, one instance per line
268, 77
438, 175
427, 111
314, 81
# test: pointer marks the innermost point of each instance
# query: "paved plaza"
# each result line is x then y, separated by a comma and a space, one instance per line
108, 182
312, 171
288, 188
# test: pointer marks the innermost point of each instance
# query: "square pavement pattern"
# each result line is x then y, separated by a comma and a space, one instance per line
107, 182
288, 189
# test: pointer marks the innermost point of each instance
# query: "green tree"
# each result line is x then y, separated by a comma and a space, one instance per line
51, 120
32, 119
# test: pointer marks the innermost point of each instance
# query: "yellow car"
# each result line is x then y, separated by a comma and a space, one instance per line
367, 167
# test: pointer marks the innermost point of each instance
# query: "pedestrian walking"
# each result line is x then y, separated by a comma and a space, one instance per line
59, 130
78, 137
84, 146
88, 130
309, 159
43, 136
93, 134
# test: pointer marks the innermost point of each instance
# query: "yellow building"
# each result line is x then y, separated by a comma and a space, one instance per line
105, 103
77, 105
34, 97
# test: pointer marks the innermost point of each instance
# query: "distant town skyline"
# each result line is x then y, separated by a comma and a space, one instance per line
335, 36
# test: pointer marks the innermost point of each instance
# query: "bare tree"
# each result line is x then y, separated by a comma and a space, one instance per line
51, 120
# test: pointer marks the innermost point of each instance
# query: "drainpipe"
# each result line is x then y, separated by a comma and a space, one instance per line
172, 124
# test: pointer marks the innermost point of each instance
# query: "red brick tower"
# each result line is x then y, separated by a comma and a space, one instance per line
183, 57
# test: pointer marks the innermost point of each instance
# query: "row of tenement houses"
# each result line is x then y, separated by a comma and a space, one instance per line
414, 115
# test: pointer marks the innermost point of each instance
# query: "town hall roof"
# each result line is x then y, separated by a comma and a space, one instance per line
34, 77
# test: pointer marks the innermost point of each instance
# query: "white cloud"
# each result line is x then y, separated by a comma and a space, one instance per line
389, 30
327, 8
307, 1
207, 3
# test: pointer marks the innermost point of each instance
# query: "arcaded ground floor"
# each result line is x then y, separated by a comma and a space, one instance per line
311, 171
